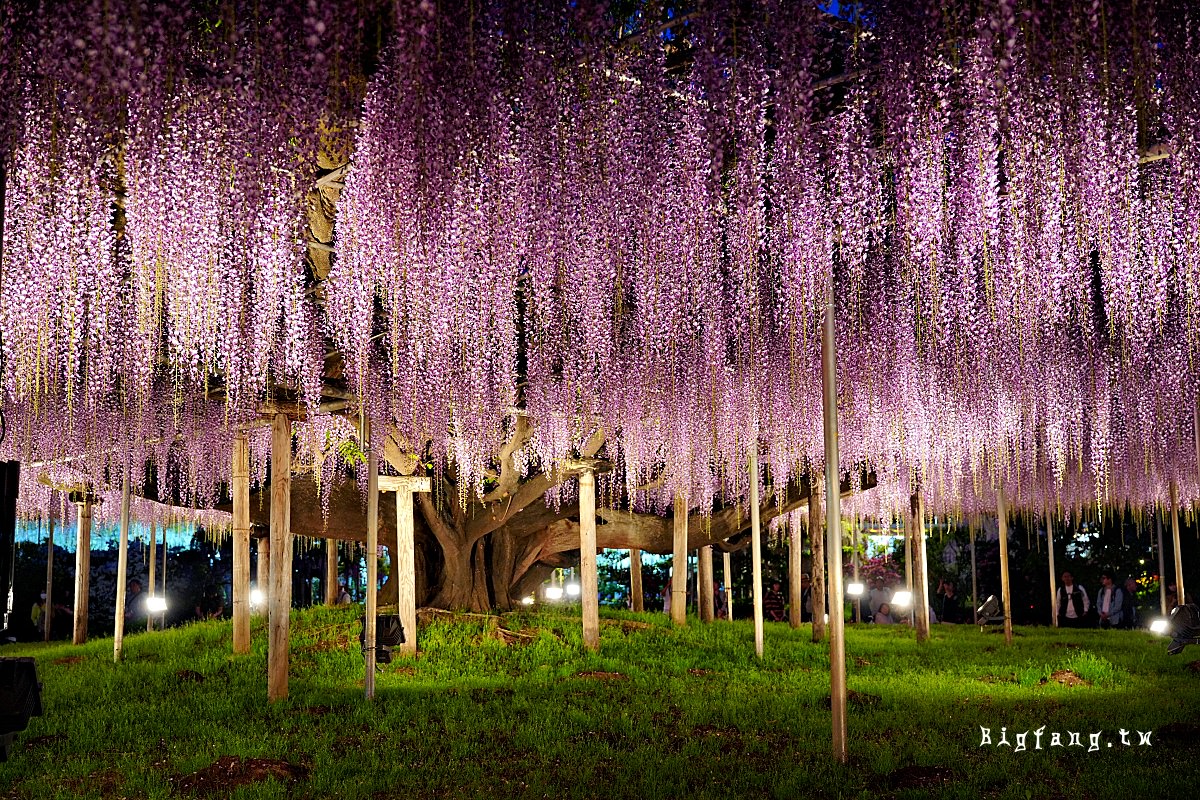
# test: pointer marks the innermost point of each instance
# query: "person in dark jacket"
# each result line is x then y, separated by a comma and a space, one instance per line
1073, 603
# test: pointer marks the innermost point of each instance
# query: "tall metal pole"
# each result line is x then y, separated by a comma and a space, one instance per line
833, 528
122, 571
372, 599
1180, 595
240, 484
756, 550
589, 582
280, 601
679, 562
49, 613
1053, 575
1006, 594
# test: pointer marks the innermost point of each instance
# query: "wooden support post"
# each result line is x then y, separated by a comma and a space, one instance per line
280, 600
920, 570
122, 572
1162, 568
1053, 577
833, 525
152, 565
756, 551
331, 572
162, 578
795, 570
1180, 595
83, 567
679, 564
636, 598
728, 564
816, 541
1005, 589
371, 601
405, 559
240, 484
908, 568
49, 609
589, 583
705, 572
974, 575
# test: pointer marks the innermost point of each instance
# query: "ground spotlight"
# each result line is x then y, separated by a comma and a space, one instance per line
573, 589
902, 599
1160, 626
554, 592
527, 601
257, 598
156, 604
854, 589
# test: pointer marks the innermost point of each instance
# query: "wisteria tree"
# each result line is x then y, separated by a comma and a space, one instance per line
515, 236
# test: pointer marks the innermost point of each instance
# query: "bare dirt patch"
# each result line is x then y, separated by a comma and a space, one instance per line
227, 773
1067, 678
1194, 666
104, 783
68, 661
44, 741
189, 676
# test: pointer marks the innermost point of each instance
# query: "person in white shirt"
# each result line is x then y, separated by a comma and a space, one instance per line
1073, 603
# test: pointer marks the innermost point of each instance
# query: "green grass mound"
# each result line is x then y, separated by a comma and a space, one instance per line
513, 706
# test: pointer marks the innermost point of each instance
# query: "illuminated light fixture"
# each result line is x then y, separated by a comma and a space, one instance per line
156, 604
902, 599
1160, 626
826, 619
527, 601
257, 598
854, 589
554, 592
573, 589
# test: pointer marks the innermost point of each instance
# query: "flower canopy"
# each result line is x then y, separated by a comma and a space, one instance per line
622, 216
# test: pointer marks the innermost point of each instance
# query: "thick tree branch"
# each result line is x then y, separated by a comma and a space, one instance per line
531, 490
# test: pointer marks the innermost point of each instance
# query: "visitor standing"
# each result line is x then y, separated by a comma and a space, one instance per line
1132, 617
1109, 602
1073, 603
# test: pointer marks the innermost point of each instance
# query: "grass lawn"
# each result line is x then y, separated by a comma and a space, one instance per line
658, 713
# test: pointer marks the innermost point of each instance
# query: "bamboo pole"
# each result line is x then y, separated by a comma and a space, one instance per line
49, 611
816, 537
280, 602
756, 551
589, 583
241, 544
331, 572
1180, 595
795, 570
704, 572
679, 563
920, 568
636, 597
833, 526
1005, 589
122, 572
83, 567
854, 562
1053, 577
372, 593
728, 565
